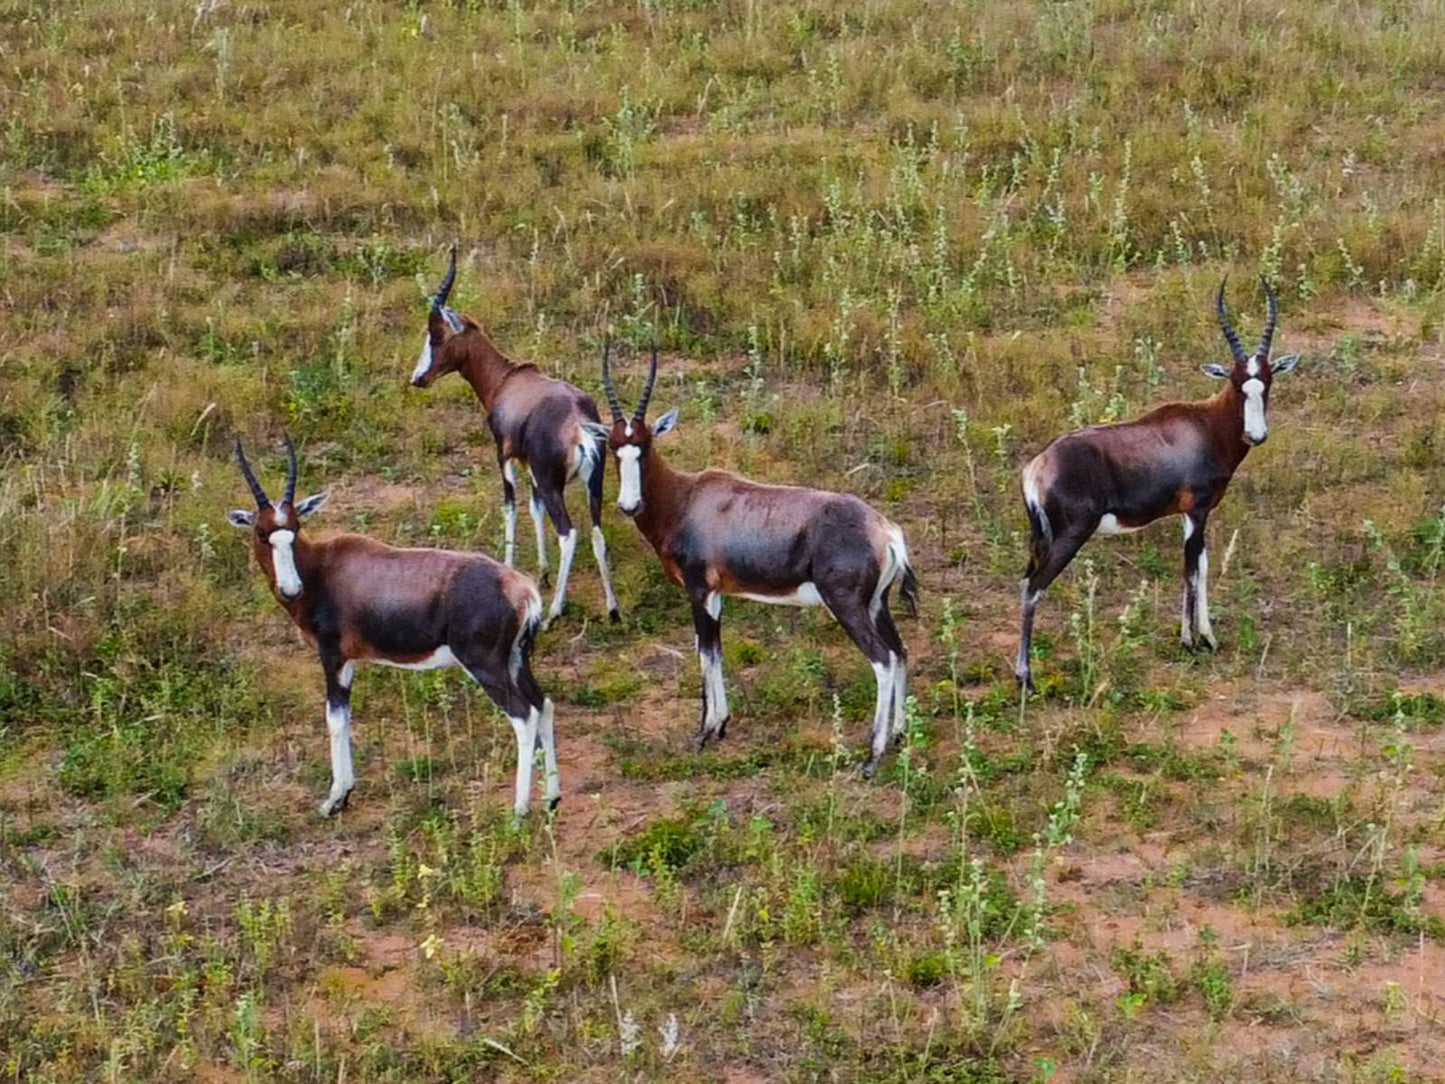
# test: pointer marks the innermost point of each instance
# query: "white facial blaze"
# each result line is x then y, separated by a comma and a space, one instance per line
1254, 426
424, 362
283, 558
630, 467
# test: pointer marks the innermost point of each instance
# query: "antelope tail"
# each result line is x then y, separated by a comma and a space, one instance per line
531, 616
900, 569
1041, 532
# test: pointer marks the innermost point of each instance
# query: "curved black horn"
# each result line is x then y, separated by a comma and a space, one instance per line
1263, 351
1235, 346
290, 497
647, 388
445, 289
607, 385
256, 491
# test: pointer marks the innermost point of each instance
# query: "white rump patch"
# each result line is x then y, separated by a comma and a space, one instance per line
629, 466
805, 594
439, 659
1254, 424
424, 362
283, 557
1109, 524
895, 560
1032, 497
589, 455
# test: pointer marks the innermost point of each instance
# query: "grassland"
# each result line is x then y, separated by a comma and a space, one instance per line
890, 247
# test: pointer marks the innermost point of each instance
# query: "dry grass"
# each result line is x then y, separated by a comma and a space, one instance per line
889, 248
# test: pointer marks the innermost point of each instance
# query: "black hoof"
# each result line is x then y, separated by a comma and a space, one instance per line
699, 742
614, 617
869, 767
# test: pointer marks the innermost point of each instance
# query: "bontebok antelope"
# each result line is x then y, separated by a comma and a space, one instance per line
546, 424
718, 534
1175, 460
358, 600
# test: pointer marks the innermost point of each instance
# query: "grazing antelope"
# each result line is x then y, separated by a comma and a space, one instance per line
1175, 460
547, 424
719, 534
358, 600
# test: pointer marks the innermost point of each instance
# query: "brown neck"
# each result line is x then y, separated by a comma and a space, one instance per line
484, 367
665, 493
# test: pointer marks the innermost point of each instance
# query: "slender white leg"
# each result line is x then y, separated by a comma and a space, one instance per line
535, 506
547, 733
883, 672
526, 731
509, 471
1201, 600
568, 545
900, 695
718, 710
599, 550
1028, 603
714, 692
712, 671
1186, 627
338, 722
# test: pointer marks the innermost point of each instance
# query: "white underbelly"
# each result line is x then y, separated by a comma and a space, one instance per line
805, 594
439, 659
1110, 524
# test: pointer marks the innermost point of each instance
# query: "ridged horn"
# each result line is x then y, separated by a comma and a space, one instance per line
1235, 346
291, 472
607, 384
641, 413
1269, 324
445, 289
256, 491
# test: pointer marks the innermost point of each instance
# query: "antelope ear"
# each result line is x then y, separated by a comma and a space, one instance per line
596, 430
241, 517
1284, 364
453, 319
1219, 372
311, 504
665, 423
